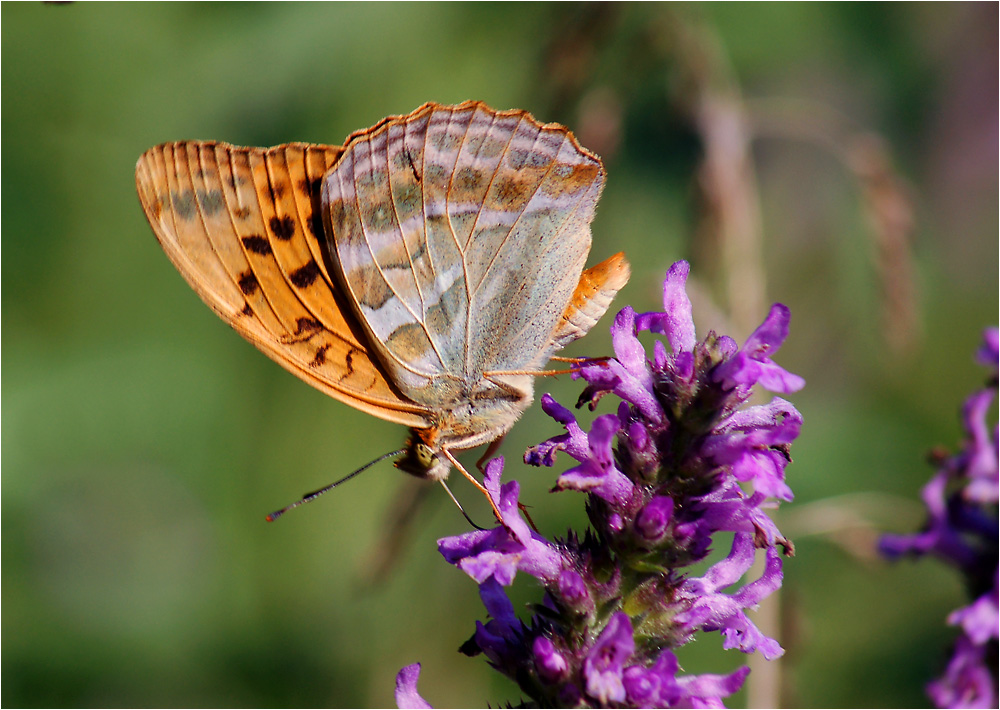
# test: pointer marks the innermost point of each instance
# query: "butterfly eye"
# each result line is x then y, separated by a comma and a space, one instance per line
424, 455
420, 460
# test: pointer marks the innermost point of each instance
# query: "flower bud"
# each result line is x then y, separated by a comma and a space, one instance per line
573, 589
653, 521
549, 663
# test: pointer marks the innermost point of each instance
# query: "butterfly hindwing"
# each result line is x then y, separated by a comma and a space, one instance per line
461, 234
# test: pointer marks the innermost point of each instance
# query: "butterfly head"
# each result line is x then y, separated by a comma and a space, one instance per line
420, 458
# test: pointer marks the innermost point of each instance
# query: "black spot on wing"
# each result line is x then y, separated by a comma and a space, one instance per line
283, 227
305, 326
248, 283
312, 186
320, 356
315, 223
257, 244
305, 275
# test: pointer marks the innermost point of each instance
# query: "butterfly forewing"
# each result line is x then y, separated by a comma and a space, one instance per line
239, 224
461, 234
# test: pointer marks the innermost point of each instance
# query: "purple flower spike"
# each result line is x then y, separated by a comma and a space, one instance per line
710, 609
981, 455
642, 686
605, 664
681, 458
573, 592
979, 620
574, 441
751, 444
407, 696
700, 691
940, 537
497, 638
707, 691
967, 682
961, 529
628, 349
628, 376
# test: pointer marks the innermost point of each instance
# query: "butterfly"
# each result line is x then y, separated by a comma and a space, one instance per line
424, 272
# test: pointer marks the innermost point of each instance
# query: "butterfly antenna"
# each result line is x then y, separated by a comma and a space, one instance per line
316, 494
455, 501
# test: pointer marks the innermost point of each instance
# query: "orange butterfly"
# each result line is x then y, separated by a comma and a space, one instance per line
424, 272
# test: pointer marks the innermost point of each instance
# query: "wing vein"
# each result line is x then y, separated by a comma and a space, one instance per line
423, 325
198, 207
399, 221
583, 194
268, 297
270, 166
465, 269
507, 236
201, 214
472, 234
423, 200
451, 229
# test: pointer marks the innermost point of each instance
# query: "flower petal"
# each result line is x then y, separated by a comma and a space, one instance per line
675, 322
506, 549
604, 665
406, 689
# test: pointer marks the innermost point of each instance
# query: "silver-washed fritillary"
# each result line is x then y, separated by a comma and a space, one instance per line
424, 272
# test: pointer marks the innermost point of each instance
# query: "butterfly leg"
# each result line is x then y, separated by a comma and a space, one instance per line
581, 360
549, 373
524, 509
530, 373
454, 462
491, 450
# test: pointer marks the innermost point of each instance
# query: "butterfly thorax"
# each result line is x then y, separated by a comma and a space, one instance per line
482, 414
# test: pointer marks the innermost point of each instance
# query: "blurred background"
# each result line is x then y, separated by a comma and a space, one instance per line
839, 158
